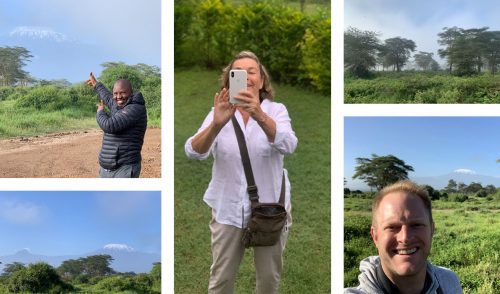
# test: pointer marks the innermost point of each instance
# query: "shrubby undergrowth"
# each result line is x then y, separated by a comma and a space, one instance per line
414, 87
295, 47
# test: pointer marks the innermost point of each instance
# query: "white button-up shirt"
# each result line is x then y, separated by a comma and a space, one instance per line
227, 192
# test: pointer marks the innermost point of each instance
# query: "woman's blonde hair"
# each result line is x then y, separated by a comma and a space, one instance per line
266, 92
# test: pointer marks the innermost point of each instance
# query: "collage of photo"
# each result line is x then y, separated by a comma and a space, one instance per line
249, 146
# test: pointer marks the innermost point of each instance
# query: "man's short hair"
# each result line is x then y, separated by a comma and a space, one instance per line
125, 82
407, 187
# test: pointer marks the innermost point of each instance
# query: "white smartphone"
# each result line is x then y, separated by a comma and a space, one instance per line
237, 82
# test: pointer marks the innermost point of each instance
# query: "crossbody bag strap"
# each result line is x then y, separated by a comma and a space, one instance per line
247, 167
245, 159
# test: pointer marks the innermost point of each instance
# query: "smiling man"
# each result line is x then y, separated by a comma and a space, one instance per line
402, 230
124, 128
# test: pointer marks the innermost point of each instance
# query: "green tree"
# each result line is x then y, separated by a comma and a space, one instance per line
70, 268
12, 60
448, 38
380, 171
97, 265
397, 51
11, 268
37, 278
156, 276
492, 50
473, 188
451, 187
433, 193
425, 61
360, 51
116, 71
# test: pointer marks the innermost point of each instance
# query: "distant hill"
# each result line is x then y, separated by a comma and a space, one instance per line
125, 258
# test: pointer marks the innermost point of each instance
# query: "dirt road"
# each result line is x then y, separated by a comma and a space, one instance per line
69, 155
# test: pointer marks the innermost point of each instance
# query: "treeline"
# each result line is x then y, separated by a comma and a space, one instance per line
294, 46
381, 171
467, 52
453, 192
87, 274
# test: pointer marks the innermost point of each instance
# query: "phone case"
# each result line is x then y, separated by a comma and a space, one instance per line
237, 82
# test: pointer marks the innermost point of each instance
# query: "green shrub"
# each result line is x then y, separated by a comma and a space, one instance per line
121, 71
37, 278
210, 32
44, 97
316, 54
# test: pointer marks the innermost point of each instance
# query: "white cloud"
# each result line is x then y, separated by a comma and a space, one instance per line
465, 171
17, 212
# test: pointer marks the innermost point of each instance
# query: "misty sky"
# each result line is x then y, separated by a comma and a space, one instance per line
71, 38
434, 146
420, 21
76, 222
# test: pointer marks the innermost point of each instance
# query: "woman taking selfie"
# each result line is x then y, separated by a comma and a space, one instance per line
268, 135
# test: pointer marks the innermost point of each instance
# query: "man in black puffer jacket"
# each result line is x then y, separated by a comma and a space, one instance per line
124, 128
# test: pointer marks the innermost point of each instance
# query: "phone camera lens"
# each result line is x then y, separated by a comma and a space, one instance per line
232, 74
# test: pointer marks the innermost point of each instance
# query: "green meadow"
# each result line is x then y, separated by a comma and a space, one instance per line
307, 253
466, 240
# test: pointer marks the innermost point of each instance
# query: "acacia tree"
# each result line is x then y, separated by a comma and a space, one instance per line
380, 171
448, 39
12, 61
425, 61
360, 51
397, 51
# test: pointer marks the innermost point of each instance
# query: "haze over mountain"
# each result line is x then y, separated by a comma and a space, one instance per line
126, 259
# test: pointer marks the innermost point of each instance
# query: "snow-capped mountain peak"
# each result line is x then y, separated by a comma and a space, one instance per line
118, 247
38, 33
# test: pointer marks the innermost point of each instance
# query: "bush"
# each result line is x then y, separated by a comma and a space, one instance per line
37, 278
44, 97
295, 48
121, 71
316, 54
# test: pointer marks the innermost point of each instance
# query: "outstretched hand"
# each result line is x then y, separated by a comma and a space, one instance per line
91, 81
223, 109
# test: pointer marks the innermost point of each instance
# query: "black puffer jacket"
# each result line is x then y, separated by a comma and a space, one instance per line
123, 128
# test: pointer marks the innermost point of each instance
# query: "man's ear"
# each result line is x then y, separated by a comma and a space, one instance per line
373, 233
433, 229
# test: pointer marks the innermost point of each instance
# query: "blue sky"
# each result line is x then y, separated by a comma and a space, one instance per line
78, 222
420, 21
71, 38
434, 146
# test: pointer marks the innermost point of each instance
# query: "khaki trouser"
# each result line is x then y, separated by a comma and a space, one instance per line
228, 251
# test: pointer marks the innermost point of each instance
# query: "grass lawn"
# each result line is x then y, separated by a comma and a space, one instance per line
466, 240
307, 255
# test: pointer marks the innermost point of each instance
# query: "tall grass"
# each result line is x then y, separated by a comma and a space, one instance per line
307, 256
467, 240
18, 121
